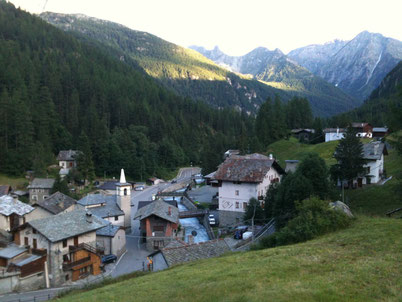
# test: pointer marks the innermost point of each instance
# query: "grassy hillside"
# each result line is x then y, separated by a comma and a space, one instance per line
361, 263
369, 200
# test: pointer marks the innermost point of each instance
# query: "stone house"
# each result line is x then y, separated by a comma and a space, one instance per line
159, 222
13, 213
380, 132
363, 129
113, 208
69, 240
303, 134
242, 178
56, 203
68, 158
40, 189
334, 134
111, 239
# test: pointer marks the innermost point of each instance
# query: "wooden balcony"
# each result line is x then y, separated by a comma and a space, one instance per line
70, 265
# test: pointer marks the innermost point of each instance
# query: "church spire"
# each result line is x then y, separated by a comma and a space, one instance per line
122, 177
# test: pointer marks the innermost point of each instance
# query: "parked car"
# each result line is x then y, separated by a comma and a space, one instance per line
139, 188
174, 181
239, 231
211, 219
109, 258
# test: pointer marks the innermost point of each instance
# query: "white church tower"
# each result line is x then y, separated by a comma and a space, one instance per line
123, 198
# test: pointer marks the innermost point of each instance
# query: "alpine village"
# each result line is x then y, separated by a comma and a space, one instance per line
135, 169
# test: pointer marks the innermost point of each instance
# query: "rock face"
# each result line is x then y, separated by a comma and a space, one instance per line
276, 69
357, 66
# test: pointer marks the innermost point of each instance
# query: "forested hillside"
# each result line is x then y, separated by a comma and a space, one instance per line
185, 71
58, 92
384, 107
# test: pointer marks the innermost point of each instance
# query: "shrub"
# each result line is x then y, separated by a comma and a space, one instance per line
314, 217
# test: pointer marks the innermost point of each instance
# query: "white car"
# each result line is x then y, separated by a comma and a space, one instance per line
211, 219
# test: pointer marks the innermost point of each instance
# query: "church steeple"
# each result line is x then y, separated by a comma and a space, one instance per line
122, 177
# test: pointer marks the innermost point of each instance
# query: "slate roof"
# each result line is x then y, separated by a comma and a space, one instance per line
296, 131
247, 168
110, 209
142, 204
94, 199
334, 130
158, 208
185, 253
11, 251
56, 203
68, 155
109, 231
4, 190
10, 206
359, 125
210, 175
108, 185
66, 225
380, 129
374, 150
25, 259
42, 183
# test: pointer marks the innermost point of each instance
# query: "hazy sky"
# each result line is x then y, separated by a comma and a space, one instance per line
240, 26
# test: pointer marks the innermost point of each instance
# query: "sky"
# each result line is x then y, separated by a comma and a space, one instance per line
239, 26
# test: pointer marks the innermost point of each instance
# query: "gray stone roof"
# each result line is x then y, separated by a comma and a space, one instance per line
4, 190
66, 225
42, 183
334, 130
95, 199
374, 150
159, 208
142, 204
25, 259
203, 250
247, 168
110, 209
11, 251
56, 203
108, 185
380, 129
68, 155
9, 205
109, 231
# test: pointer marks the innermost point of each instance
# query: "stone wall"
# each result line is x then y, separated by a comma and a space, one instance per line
230, 218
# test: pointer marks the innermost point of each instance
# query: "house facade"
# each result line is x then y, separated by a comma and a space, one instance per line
40, 189
333, 134
242, 178
363, 129
69, 240
159, 222
111, 239
55, 204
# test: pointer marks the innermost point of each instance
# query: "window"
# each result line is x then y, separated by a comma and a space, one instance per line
26, 240
35, 245
65, 258
35, 197
65, 243
237, 204
116, 218
33, 230
24, 220
125, 191
237, 192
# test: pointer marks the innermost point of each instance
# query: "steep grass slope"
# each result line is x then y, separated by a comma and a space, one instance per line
362, 263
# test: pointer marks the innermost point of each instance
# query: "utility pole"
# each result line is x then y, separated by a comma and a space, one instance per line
252, 223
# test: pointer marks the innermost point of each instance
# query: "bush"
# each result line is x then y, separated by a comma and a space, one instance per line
314, 217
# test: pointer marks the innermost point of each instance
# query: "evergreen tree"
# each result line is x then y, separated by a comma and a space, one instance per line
60, 185
349, 155
85, 165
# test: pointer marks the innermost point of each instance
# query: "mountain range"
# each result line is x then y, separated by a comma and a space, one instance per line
356, 66
191, 74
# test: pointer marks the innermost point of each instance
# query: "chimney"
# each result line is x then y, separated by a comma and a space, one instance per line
170, 211
122, 177
15, 198
337, 131
271, 157
376, 146
89, 217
